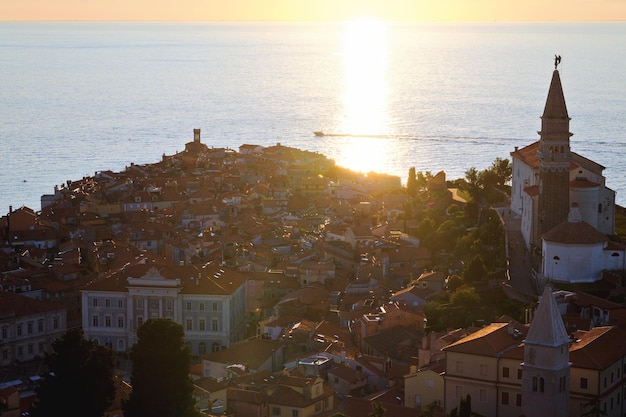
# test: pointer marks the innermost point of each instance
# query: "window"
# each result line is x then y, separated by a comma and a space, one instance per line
541, 384
19, 329
107, 302
169, 305
584, 382
201, 306
107, 321
505, 372
201, 348
505, 398
95, 321
275, 411
458, 391
55, 323
562, 384
30, 349
139, 321
29, 327
94, 302
188, 305
20, 351
519, 374
483, 395
40, 325
215, 307
214, 326
5, 332
120, 322
535, 384
201, 325
120, 345
120, 303
518, 400
318, 406
5, 354
295, 413
139, 304
189, 324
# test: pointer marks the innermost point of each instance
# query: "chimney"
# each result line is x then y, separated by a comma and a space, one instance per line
196, 135
414, 365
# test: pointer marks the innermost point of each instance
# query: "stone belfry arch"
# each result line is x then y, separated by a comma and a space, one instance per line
554, 159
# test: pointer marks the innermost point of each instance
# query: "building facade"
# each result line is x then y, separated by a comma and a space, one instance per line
209, 303
28, 327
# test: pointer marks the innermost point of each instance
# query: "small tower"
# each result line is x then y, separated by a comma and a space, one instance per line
554, 159
546, 366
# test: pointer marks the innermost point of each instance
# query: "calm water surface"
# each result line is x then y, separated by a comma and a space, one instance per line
76, 98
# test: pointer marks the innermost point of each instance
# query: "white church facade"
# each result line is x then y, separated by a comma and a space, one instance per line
566, 210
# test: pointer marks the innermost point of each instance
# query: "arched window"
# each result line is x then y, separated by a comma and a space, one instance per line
615, 254
556, 258
541, 384
120, 345
201, 348
535, 384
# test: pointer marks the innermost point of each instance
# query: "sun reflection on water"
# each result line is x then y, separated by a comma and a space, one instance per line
365, 97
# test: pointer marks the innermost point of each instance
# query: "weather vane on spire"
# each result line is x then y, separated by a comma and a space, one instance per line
557, 61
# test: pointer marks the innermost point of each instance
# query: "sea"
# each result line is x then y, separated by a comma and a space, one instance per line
81, 97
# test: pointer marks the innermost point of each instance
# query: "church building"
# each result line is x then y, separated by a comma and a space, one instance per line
567, 212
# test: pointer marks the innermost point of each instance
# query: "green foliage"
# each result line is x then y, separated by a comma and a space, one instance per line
465, 297
502, 170
425, 227
475, 270
481, 183
160, 378
378, 410
80, 382
411, 183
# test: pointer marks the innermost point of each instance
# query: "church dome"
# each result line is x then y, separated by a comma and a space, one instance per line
574, 233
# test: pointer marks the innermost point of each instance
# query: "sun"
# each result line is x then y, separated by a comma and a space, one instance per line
365, 103
364, 55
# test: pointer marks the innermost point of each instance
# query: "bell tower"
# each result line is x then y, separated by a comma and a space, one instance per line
554, 158
546, 366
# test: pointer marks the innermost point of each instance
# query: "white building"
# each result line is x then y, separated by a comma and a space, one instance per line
208, 302
549, 182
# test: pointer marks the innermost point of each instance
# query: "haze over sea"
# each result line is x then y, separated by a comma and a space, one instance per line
81, 97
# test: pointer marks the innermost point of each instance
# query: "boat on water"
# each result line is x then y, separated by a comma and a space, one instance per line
318, 133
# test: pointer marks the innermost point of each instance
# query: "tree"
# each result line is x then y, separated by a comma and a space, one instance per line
80, 379
411, 183
502, 169
475, 271
160, 380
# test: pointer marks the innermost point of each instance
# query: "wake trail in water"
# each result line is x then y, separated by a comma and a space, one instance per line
473, 139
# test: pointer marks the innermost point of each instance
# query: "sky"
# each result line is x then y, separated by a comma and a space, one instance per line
314, 10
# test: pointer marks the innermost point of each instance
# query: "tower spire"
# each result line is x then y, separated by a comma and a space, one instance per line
554, 158
546, 366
